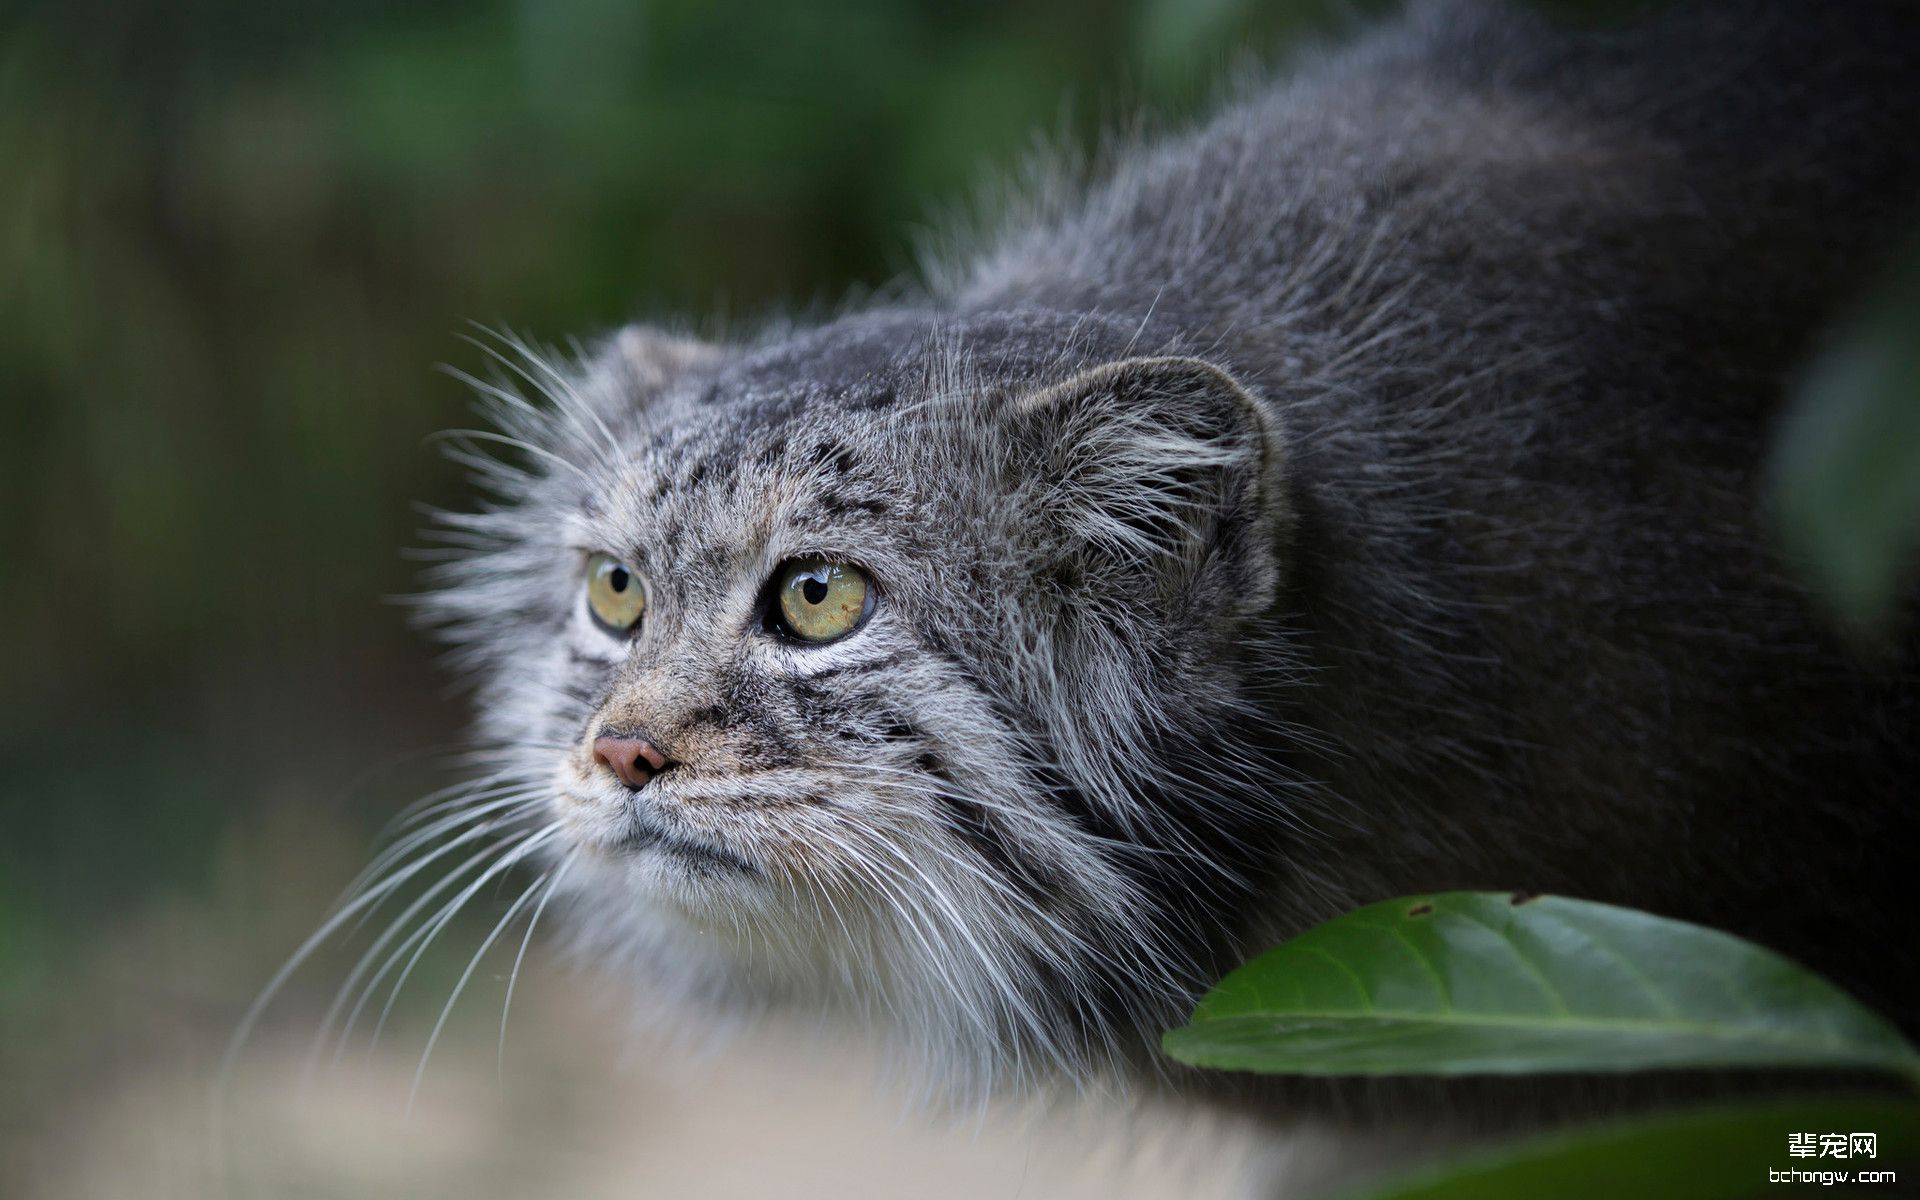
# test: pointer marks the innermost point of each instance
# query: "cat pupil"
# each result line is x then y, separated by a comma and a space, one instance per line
617, 579
815, 590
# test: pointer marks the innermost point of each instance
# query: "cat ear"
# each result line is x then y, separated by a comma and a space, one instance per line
626, 371
652, 358
1156, 473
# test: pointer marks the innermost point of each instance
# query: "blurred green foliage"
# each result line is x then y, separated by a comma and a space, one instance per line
1849, 460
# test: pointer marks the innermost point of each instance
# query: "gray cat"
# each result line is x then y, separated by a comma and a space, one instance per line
1361, 494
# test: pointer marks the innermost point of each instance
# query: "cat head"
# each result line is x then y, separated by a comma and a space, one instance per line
871, 668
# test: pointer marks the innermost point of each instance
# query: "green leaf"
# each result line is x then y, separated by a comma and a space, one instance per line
1462, 983
1848, 459
1703, 1154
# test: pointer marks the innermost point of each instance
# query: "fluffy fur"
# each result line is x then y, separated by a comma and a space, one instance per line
1360, 494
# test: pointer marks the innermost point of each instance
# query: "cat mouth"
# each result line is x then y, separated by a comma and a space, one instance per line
628, 831
640, 838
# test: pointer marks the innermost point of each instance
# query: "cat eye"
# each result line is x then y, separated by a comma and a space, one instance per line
615, 598
820, 601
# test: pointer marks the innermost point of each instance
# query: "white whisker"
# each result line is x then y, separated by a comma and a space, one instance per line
513, 976
460, 985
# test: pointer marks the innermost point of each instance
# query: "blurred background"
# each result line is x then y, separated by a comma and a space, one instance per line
235, 238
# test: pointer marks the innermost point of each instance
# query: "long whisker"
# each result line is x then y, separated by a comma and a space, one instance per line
446, 1010
368, 899
513, 977
436, 799
427, 807
456, 436
393, 930
472, 817
517, 852
466, 810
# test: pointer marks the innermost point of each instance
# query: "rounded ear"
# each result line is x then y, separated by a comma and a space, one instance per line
652, 358
624, 372
1157, 479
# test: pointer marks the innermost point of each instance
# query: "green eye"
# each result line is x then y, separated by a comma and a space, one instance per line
614, 595
820, 601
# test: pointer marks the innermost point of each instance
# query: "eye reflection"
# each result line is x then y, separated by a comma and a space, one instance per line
819, 601
615, 597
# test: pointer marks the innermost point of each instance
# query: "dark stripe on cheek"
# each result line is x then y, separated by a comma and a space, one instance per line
977, 828
1069, 799
820, 708
857, 668
896, 728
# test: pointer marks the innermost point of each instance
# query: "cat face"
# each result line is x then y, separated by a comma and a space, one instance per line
847, 670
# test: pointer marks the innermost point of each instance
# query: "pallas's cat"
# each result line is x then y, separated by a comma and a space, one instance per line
1359, 494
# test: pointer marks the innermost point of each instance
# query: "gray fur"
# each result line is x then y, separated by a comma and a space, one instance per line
1359, 495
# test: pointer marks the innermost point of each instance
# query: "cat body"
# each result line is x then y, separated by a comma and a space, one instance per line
1362, 494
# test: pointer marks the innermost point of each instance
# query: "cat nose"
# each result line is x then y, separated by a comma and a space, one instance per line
634, 759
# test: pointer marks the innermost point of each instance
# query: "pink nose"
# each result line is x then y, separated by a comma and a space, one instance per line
634, 759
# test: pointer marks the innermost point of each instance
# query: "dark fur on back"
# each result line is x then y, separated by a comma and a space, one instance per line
1526, 304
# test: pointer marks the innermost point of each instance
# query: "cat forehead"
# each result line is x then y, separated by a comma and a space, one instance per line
794, 405
864, 369
706, 483
847, 427
818, 412
809, 431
